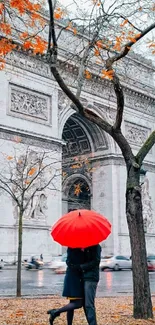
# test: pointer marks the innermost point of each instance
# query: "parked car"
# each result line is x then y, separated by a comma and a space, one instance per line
151, 262
115, 262
58, 264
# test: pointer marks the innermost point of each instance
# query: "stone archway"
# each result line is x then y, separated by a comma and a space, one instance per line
73, 200
82, 139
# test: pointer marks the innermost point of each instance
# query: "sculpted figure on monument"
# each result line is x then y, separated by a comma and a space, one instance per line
35, 200
147, 206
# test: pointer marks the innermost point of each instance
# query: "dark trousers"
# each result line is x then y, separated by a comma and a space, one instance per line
89, 304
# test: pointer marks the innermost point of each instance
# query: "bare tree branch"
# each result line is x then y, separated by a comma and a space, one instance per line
128, 46
145, 148
52, 35
120, 102
80, 79
7, 188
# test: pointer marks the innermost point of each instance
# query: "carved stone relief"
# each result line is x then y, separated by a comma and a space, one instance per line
29, 63
141, 103
37, 208
63, 101
35, 202
29, 104
136, 134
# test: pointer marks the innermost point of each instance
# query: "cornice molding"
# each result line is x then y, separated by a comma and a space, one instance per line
30, 138
70, 70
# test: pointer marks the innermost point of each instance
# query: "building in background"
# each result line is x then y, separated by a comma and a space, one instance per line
34, 108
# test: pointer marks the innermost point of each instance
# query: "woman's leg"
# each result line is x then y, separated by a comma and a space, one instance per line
73, 304
70, 315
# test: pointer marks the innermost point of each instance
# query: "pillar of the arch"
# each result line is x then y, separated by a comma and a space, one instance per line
105, 200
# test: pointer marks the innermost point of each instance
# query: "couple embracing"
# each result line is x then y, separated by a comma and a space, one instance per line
80, 283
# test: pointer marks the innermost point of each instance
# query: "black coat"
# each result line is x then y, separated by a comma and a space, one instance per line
90, 267
89, 261
73, 282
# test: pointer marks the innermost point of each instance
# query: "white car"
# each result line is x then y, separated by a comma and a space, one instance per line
115, 262
58, 263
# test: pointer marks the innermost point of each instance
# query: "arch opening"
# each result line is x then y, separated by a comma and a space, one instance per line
82, 139
79, 195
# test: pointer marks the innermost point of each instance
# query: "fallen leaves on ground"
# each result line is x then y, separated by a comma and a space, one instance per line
33, 311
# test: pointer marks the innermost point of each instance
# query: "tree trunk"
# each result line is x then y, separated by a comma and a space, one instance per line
20, 231
141, 286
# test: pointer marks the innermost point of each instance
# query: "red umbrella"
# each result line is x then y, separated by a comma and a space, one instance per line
81, 228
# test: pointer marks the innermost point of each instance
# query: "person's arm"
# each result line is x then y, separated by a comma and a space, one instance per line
69, 262
95, 262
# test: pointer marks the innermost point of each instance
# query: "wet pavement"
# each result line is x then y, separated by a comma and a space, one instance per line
45, 282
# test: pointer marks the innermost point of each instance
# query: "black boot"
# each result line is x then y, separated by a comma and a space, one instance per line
53, 314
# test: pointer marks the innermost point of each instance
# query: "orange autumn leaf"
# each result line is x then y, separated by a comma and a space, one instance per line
96, 52
99, 44
24, 35
134, 38
2, 64
37, 45
5, 46
18, 5
75, 166
77, 189
9, 157
35, 15
96, 2
5, 28
87, 74
152, 45
27, 45
32, 171
36, 6
1, 8
74, 31
107, 74
70, 26
19, 313
40, 45
22, 6
117, 46
124, 23
58, 14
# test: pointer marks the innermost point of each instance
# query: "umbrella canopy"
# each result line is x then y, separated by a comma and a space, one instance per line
81, 228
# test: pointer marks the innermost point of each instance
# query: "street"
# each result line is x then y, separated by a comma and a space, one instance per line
44, 282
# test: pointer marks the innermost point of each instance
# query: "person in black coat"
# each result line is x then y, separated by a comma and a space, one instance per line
73, 286
89, 266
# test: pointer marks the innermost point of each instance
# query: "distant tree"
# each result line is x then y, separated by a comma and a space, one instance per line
23, 176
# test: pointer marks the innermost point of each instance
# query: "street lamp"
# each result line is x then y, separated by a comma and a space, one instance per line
142, 175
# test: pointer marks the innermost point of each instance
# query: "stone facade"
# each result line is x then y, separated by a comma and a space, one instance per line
33, 108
